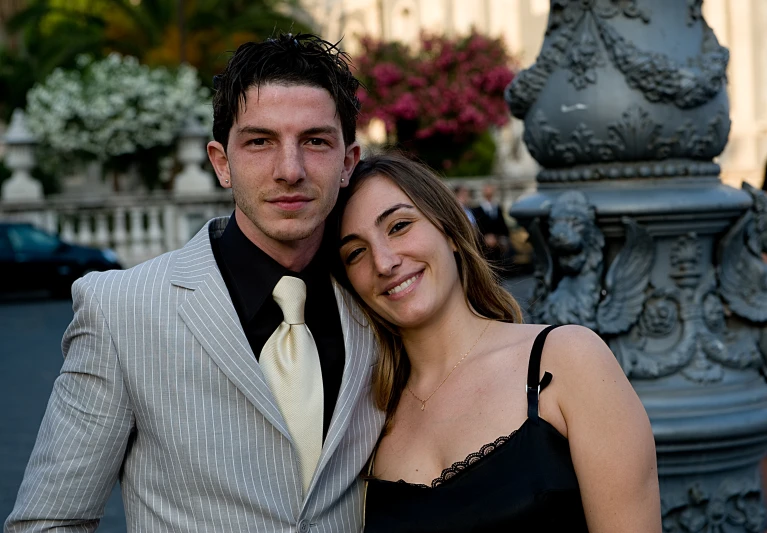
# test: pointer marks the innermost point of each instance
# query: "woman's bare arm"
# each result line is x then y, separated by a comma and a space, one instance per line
611, 441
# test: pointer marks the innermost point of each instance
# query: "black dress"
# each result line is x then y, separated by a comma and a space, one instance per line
522, 482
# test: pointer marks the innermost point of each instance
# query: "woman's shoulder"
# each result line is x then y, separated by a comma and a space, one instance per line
571, 341
573, 354
580, 348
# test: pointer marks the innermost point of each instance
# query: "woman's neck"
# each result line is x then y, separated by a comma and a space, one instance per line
434, 348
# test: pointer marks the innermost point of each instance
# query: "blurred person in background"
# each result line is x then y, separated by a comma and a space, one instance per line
463, 195
492, 226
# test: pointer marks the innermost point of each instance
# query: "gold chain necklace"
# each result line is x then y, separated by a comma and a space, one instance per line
423, 402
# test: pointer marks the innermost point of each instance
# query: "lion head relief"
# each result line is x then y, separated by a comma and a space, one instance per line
576, 241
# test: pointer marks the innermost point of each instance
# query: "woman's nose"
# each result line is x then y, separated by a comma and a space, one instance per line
386, 260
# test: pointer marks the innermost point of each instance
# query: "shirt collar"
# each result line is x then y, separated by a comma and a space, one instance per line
255, 273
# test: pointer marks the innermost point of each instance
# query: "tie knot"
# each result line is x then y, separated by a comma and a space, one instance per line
290, 295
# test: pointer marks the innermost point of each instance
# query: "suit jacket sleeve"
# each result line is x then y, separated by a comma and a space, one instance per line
84, 433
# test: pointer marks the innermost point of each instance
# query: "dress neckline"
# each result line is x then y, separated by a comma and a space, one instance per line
533, 389
459, 467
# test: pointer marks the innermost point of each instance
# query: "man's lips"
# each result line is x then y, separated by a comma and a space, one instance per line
290, 203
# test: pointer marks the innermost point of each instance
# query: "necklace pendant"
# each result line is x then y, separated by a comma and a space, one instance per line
423, 406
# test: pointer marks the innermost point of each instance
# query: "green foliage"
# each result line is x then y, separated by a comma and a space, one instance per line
53, 33
51, 37
477, 160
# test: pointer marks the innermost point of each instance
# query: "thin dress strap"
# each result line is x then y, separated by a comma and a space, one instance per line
534, 387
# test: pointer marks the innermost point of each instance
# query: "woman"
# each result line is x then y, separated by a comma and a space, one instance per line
473, 442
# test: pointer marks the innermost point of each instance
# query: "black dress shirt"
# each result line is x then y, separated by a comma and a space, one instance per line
251, 275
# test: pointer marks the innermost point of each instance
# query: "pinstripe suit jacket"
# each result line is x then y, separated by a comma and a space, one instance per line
160, 389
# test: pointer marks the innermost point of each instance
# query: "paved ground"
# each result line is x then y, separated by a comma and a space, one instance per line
30, 359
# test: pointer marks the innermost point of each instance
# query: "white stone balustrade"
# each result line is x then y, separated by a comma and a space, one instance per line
143, 225
137, 227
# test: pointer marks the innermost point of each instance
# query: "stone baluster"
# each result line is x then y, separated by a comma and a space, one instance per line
137, 234
182, 225
50, 221
154, 232
170, 231
101, 237
85, 233
68, 228
119, 234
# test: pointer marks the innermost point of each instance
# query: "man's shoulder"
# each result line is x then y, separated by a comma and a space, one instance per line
189, 261
148, 273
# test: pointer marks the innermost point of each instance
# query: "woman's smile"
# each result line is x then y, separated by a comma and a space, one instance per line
406, 287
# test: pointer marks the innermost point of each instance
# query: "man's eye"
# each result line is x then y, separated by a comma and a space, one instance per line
317, 142
258, 142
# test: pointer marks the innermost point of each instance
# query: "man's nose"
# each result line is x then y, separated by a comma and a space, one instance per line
386, 260
290, 167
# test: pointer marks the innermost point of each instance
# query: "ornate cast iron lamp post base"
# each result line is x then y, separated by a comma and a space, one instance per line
636, 238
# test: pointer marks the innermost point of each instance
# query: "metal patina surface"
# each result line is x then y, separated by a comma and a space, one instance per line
636, 237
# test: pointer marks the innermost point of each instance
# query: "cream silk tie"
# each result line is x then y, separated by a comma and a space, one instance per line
291, 366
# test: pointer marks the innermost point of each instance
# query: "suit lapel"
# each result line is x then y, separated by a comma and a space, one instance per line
360, 352
210, 316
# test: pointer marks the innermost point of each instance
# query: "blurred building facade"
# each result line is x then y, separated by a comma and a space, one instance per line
521, 23
738, 25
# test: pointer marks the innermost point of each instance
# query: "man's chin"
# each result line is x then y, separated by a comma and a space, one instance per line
293, 231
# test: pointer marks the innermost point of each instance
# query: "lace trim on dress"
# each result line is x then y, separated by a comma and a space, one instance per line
459, 466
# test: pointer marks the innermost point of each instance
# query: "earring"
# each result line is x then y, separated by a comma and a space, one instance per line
226, 181
343, 180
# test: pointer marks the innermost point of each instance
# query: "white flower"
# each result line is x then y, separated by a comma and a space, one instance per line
114, 107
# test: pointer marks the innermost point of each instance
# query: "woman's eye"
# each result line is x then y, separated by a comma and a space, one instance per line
351, 256
399, 226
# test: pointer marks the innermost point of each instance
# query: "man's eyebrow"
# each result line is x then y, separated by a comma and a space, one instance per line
320, 130
379, 219
255, 130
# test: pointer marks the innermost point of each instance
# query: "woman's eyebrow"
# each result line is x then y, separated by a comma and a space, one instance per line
391, 210
379, 219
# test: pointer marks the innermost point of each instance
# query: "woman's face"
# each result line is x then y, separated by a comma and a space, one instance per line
399, 263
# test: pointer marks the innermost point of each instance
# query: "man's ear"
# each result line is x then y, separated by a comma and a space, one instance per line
351, 159
220, 162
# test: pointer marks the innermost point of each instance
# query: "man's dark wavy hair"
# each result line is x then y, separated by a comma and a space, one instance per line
301, 59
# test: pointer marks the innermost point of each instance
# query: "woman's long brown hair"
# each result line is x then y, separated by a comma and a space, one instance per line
480, 282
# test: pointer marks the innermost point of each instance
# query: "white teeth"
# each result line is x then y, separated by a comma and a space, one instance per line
404, 285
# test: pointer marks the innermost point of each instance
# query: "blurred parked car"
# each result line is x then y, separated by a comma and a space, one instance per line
32, 259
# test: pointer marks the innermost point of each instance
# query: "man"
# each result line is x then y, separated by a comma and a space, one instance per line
463, 195
491, 225
192, 378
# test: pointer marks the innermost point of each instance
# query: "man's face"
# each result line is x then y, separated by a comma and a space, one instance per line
285, 162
